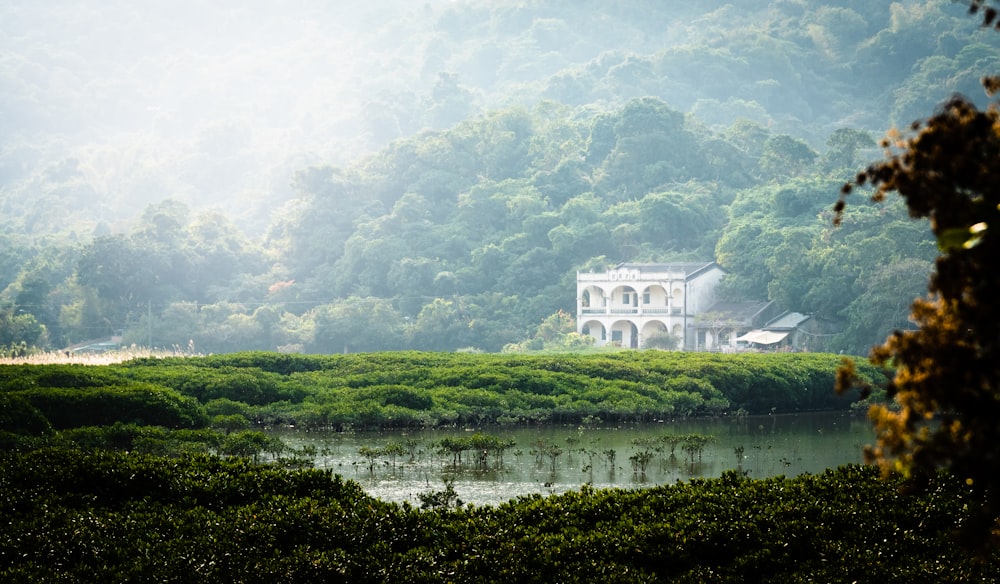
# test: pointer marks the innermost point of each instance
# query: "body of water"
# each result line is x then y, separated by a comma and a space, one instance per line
549, 460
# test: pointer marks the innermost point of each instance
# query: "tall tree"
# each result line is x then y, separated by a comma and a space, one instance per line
784, 156
843, 146
947, 381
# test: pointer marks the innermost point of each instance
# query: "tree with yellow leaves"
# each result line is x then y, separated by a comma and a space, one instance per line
946, 411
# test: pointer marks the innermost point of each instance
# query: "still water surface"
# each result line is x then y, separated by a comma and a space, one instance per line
761, 446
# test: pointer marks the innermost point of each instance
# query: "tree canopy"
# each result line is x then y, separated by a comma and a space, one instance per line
497, 151
946, 387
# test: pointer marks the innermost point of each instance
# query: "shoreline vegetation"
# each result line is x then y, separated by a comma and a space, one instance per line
423, 389
106, 476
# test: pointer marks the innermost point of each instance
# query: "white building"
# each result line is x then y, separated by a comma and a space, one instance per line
632, 303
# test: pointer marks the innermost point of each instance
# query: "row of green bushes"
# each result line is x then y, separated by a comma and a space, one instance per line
424, 389
111, 517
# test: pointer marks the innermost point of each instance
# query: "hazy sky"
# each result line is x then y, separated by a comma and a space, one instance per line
198, 100
118, 103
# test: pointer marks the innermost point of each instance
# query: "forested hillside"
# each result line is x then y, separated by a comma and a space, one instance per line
432, 176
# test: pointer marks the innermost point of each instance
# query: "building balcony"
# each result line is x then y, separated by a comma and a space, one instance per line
629, 310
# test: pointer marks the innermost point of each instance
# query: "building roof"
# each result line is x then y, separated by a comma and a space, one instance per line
686, 268
739, 311
763, 337
776, 330
787, 321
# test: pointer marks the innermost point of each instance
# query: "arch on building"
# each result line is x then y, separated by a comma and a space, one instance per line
593, 297
595, 329
624, 333
624, 297
652, 329
655, 299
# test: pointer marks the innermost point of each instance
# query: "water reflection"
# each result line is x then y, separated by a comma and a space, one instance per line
550, 460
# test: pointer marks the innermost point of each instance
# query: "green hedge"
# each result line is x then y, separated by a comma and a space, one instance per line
135, 403
18, 416
420, 389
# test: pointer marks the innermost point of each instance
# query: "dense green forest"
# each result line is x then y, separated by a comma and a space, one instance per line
478, 157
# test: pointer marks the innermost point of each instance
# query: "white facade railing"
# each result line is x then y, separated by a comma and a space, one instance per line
637, 311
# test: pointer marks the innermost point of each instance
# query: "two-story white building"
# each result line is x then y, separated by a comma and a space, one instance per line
633, 302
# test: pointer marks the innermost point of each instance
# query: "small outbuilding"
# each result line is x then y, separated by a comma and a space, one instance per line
790, 332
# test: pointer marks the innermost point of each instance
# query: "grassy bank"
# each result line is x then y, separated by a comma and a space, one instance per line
410, 389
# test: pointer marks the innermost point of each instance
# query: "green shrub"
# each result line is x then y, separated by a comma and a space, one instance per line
18, 416
136, 403
410, 388
101, 516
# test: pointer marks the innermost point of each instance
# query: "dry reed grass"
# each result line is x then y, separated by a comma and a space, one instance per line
105, 358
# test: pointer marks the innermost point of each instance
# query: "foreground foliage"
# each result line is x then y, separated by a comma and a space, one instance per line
947, 381
99, 516
947, 372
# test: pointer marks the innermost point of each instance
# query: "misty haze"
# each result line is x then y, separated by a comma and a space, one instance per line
501, 291
360, 176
